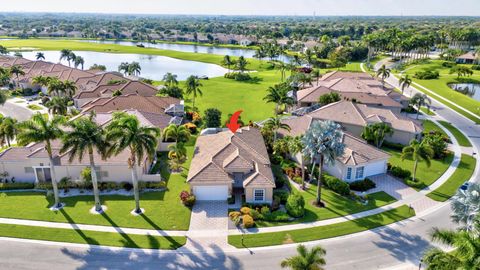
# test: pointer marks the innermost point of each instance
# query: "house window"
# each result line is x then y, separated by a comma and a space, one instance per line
349, 173
359, 172
259, 195
29, 170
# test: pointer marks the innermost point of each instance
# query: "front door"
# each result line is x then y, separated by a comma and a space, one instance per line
43, 175
238, 179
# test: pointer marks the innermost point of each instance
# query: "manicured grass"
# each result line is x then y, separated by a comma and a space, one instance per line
427, 111
426, 175
440, 86
34, 107
92, 237
462, 174
336, 205
461, 139
432, 126
164, 210
321, 232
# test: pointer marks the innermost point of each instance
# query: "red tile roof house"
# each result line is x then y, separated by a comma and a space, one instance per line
226, 161
31, 163
355, 117
354, 86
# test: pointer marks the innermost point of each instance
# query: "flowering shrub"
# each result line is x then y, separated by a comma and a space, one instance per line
187, 198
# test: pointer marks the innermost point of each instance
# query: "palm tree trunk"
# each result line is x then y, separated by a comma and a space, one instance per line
303, 171
319, 182
415, 170
54, 183
418, 111
136, 193
93, 173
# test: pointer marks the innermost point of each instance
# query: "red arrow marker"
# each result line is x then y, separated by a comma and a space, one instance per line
234, 125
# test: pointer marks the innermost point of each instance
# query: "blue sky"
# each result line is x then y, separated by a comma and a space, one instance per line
253, 7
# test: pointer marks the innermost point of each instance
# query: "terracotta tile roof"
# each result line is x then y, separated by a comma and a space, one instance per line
218, 153
346, 74
358, 151
159, 120
130, 102
469, 56
89, 83
361, 115
131, 87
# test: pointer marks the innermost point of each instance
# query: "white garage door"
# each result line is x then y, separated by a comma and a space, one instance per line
211, 193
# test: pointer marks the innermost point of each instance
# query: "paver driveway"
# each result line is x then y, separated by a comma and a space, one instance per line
208, 226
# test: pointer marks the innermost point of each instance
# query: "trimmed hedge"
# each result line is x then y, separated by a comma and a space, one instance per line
13, 186
336, 185
362, 185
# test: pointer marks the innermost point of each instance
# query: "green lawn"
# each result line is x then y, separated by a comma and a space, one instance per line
432, 126
426, 175
462, 174
164, 210
34, 107
321, 232
92, 237
462, 140
427, 111
440, 86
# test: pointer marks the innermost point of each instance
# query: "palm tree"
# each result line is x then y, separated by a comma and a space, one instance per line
306, 259
134, 69
420, 100
278, 94
123, 67
86, 137
295, 146
8, 129
376, 133
79, 61
40, 56
227, 61
41, 80
39, 129
170, 79
71, 58
3, 98
55, 86
3, 50
177, 133
383, 72
323, 143
241, 64
65, 54
466, 251
4, 76
404, 82
275, 124
417, 151
69, 88
17, 71
466, 207
126, 132
57, 106
193, 87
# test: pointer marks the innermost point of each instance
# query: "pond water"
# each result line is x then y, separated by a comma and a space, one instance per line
470, 89
248, 53
153, 66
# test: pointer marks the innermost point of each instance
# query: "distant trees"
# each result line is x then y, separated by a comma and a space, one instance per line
98, 67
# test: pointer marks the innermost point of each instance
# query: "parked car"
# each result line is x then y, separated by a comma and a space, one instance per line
465, 186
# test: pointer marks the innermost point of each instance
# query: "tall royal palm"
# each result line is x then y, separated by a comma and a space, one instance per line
57, 106
39, 129
69, 88
85, 137
170, 79
323, 144
65, 54
193, 88
420, 100
306, 259
79, 62
227, 61
383, 72
404, 82
17, 71
126, 133
134, 68
417, 151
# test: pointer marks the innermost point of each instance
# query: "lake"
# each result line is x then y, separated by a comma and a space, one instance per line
470, 89
248, 53
153, 66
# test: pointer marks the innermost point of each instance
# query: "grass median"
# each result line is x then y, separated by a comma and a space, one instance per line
321, 232
462, 174
92, 237
461, 138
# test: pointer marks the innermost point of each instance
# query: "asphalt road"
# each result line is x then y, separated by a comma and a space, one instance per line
398, 246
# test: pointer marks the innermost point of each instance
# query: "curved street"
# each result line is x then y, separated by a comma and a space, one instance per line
397, 246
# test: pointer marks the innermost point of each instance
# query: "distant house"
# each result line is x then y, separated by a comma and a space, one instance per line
226, 162
467, 58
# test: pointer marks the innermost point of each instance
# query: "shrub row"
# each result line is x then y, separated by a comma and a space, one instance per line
238, 76
362, 185
12, 186
103, 185
336, 185
427, 75
399, 172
